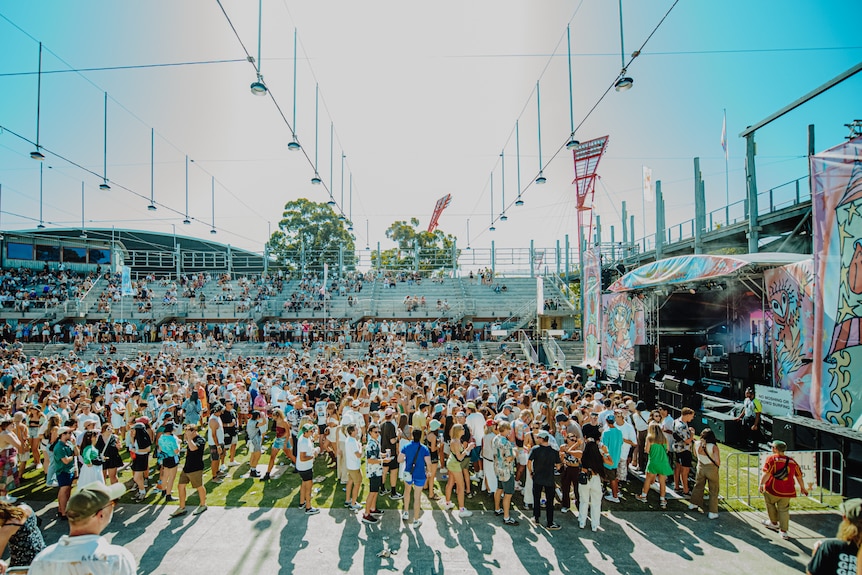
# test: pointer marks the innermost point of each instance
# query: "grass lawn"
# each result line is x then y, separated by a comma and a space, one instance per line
239, 490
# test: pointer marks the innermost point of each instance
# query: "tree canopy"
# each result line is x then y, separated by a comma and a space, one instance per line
435, 249
310, 234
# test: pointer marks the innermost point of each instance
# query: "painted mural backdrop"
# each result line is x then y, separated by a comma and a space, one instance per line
592, 305
623, 327
790, 290
836, 189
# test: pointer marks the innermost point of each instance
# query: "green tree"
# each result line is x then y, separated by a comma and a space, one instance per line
310, 234
434, 248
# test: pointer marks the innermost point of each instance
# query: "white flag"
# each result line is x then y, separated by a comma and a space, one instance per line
724, 135
648, 195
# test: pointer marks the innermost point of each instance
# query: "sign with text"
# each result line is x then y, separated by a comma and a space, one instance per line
775, 401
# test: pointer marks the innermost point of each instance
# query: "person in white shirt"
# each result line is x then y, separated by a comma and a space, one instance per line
305, 454
89, 510
639, 418
353, 461
630, 441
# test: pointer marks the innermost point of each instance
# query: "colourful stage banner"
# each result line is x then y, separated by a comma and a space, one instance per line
678, 270
790, 290
836, 197
623, 327
591, 279
126, 281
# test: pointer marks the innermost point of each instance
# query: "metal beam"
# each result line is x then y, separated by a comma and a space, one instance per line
812, 94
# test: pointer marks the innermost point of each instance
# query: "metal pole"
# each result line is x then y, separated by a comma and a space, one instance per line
751, 186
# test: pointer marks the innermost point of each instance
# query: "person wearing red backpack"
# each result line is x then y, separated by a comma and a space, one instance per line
778, 481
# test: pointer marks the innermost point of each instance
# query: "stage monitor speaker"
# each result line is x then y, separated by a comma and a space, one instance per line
671, 384
645, 354
783, 430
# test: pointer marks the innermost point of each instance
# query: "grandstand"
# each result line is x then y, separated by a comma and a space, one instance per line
202, 292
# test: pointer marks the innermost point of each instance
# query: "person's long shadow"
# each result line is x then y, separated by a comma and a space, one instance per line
165, 539
477, 539
524, 540
292, 539
376, 541
349, 543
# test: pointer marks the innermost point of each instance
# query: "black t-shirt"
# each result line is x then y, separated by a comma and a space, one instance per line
592, 430
388, 437
544, 457
834, 557
195, 459
228, 420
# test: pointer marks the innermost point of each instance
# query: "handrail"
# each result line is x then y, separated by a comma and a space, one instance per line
555, 353
527, 346
566, 292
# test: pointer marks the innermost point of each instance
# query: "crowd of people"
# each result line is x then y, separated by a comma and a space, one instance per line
443, 430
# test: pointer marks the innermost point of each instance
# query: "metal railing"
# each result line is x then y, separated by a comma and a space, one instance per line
527, 346
744, 470
554, 353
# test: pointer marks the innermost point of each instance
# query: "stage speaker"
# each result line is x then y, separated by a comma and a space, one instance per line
645, 354
726, 428
782, 430
671, 384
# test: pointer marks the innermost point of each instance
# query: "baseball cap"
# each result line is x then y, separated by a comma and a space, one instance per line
562, 417
356, 403
434, 425
490, 423
439, 408
389, 411
64, 429
306, 427
778, 444
611, 418
471, 405
598, 396
91, 498
852, 509
544, 434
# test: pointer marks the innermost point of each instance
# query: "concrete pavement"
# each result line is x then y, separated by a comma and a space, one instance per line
252, 540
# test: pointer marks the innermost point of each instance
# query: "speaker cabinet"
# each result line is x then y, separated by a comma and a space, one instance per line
645, 354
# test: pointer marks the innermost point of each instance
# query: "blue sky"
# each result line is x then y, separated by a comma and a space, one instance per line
423, 100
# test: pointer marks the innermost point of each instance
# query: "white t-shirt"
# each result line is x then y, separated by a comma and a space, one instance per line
629, 434
351, 447
476, 422
87, 553
304, 445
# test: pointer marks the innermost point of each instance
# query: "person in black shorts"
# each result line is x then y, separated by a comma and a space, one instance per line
229, 421
193, 471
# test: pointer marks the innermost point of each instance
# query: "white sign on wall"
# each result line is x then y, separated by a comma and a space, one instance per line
775, 401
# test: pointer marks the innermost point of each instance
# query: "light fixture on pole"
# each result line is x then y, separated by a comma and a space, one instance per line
341, 205
503, 216
624, 82
350, 219
315, 180
104, 185
213, 229
83, 229
492, 228
152, 206
37, 154
541, 179
520, 200
187, 221
572, 143
41, 225
468, 248
367, 239
294, 146
258, 88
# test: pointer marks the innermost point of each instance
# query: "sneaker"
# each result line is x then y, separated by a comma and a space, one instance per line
417, 524
348, 504
200, 509
564, 509
265, 477
712, 515
218, 479
692, 506
554, 527
254, 473
222, 469
448, 505
140, 496
662, 502
233, 464
61, 517
769, 524
377, 512
179, 512
471, 495
405, 516
510, 522
169, 498
498, 512
356, 507
370, 519
642, 498
52, 484
312, 511
612, 499
465, 513
396, 497
784, 535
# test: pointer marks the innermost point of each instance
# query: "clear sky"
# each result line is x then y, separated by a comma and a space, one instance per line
423, 99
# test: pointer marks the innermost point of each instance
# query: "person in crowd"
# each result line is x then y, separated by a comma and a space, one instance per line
91, 470
708, 463
541, 465
255, 429
280, 443
108, 446
374, 462
778, 480
19, 531
593, 458
90, 511
612, 440
750, 418
216, 441
659, 465
353, 460
840, 554
505, 457
142, 443
683, 438
193, 472
416, 459
64, 452
169, 450
306, 452
457, 454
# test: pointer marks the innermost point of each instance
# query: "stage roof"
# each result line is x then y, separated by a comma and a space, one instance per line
691, 269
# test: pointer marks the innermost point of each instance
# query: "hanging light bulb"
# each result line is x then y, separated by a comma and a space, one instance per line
316, 179
541, 179
294, 146
624, 82
519, 201
258, 88
572, 143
